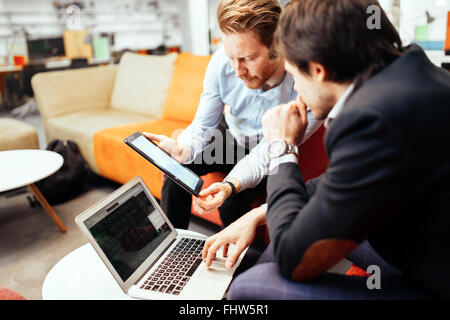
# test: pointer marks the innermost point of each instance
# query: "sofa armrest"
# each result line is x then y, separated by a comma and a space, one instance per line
62, 92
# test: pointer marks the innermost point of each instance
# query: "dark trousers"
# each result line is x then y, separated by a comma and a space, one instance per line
263, 281
176, 202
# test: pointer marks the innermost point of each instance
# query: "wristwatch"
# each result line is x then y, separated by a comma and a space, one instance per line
233, 187
279, 147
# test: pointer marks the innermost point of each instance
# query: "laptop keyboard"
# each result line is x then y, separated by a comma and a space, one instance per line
173, 273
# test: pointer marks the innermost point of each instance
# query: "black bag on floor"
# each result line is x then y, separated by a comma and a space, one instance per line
70, 180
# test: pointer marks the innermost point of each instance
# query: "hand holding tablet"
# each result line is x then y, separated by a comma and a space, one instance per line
171, 167
170, 146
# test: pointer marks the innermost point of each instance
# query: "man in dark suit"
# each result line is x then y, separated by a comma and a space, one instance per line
384, 200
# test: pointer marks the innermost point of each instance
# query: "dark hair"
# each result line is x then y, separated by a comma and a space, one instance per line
335, 34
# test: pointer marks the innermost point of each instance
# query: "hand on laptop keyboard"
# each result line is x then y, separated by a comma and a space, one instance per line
241, 233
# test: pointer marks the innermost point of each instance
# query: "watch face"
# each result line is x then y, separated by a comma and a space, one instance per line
277, 148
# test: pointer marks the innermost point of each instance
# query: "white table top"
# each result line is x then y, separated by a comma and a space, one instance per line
82, 275
19, 168
10, 68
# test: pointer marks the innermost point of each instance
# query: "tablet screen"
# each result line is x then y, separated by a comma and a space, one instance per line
166, 162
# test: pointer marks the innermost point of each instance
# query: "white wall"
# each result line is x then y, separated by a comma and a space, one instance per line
2, 40
413, 14
199, 27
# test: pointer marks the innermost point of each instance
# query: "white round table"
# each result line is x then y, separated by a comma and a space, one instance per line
20, 168
82, 275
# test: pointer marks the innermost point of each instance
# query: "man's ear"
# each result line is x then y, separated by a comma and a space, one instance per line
273, 54
317, 71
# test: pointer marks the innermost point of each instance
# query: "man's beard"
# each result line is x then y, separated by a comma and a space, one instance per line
256, 82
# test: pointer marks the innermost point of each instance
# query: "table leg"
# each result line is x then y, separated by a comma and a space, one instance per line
47, 207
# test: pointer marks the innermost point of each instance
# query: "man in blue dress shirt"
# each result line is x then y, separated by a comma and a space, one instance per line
243, 80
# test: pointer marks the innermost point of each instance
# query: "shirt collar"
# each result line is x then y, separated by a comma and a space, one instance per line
338, 106
286, 83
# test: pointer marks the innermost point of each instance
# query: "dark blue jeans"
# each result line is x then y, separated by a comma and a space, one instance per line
394, 284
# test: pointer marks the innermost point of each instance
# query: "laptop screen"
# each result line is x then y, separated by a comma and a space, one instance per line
128, 230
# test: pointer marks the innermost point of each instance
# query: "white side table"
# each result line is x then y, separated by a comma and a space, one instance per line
20, 168
82, 275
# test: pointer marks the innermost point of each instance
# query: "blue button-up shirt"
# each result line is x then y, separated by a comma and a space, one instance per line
225, 94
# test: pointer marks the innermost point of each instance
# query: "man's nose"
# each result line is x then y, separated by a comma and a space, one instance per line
241, 70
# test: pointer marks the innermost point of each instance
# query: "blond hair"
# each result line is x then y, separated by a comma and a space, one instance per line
257, 16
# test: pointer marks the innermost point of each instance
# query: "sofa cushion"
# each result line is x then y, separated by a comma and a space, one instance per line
16, 134
81, 126
118, 162
67, 91
142, 82
186, 87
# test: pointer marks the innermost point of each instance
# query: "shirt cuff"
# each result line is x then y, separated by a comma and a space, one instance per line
274, 163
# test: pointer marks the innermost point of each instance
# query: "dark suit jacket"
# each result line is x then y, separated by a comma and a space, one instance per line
388, 179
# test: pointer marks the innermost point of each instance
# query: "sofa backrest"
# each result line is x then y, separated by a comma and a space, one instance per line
67, 91
186, 87
142, 83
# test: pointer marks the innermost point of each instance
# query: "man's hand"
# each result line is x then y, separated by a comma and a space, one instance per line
241, 233
214, 196
179, 152
287, 122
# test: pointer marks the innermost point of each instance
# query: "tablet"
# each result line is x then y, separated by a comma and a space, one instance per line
164, 162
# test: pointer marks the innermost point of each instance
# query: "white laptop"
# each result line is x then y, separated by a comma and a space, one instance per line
147, 257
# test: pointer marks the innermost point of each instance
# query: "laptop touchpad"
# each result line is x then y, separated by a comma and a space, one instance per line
217, 270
